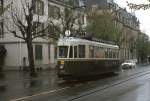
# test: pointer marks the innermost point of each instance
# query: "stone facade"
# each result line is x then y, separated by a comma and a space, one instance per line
127, 23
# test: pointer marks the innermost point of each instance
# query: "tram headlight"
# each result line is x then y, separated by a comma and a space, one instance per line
61, 67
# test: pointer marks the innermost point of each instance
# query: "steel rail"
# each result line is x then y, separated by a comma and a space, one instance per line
137, 75
131, 77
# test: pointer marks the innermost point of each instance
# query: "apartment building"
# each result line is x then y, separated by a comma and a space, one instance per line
129, 24
126, 22
45, 48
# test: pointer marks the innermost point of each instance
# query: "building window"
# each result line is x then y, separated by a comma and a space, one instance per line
81, 19
53, 11
38, 52
50, 10
67, 13
1, 23
38, 26
55, 52
49, 51
1, 30
39, 7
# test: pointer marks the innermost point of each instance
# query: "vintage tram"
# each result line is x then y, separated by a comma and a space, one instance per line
80, 57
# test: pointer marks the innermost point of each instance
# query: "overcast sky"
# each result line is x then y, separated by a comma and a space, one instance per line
142, 15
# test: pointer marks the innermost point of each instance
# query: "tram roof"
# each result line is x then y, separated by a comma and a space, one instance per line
67, 41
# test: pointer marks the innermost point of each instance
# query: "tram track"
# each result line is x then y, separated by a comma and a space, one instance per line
107, 86
137, 75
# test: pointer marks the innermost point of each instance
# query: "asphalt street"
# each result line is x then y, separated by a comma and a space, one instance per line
19, 86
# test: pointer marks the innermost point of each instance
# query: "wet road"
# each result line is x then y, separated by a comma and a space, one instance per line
18, 86
137, 89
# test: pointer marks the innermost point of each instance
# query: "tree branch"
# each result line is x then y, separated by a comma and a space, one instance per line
138, 6
24, 10
15, 34
40, 33
19, 24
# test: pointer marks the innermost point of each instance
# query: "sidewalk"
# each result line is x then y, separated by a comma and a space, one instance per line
22, 84
21, 75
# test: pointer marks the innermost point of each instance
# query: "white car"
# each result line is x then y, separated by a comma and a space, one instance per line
128, 64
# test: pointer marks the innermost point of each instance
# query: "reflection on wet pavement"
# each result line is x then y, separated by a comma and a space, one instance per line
23, 85
137, 89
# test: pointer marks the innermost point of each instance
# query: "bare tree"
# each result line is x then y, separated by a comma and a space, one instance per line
68, 19
139, 6
27, 28
142, 44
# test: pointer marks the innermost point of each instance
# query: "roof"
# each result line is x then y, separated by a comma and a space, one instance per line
78, 41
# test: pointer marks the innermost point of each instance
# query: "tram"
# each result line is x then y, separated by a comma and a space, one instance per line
80, 57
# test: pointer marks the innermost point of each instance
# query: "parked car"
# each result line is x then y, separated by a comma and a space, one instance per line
128, 64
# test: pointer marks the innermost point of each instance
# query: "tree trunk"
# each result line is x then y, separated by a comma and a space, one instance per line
31, 57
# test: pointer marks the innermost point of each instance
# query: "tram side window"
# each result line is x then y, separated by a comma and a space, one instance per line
110, 53
106, 53
81, 51
114, 54
71, 52
117, 53
91, 53
96, 53
63, 50
99, 52
75, 51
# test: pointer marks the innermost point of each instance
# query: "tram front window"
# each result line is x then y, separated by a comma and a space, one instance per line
63, 50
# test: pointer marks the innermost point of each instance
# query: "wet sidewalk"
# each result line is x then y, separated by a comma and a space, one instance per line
19, 75
16, 84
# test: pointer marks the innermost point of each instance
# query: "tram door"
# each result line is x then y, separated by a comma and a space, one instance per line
73, 52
